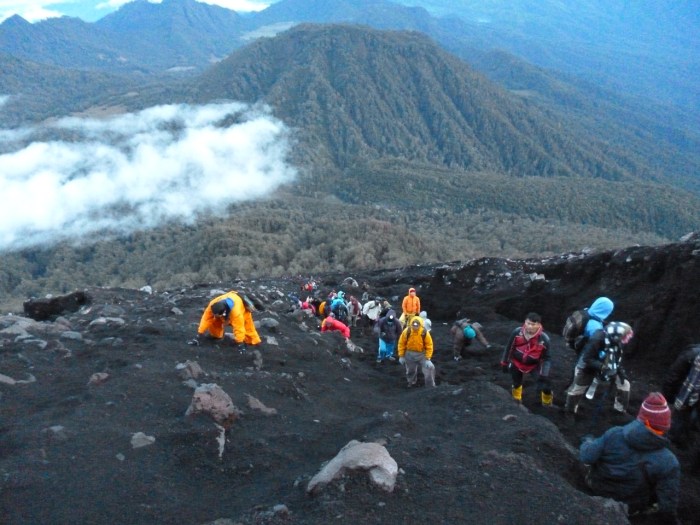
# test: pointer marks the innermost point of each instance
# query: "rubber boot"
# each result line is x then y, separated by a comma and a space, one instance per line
571, 405
547, 399
517, 393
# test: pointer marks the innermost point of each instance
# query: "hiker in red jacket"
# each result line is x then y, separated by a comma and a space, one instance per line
527, 350
331, 324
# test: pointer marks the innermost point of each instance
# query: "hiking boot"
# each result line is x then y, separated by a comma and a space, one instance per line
412, 385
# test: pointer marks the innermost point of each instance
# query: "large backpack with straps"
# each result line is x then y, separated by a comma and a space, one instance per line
573, 329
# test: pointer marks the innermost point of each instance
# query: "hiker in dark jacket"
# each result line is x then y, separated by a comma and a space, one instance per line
528, 350
633, 464
600, 363
682, 384
464, 332
388, 328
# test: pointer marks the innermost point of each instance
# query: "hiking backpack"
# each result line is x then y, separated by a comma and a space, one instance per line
573, 329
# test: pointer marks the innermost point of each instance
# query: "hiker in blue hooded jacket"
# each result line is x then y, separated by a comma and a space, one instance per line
600, 360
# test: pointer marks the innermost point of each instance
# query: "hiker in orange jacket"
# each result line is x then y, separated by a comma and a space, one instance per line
229, 309
409, 307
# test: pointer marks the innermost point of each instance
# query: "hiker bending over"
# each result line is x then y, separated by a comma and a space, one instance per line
464, 332
633, 464
416, 349
600, 364
229, 309
331, 324
528, 350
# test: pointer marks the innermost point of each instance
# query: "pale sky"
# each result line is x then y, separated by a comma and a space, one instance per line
91, 10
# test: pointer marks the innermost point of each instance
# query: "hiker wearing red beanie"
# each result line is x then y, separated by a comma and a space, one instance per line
633, 464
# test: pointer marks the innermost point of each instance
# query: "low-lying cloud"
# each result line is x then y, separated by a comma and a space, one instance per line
137, 171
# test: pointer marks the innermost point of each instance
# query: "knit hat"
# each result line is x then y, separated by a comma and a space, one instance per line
655, 411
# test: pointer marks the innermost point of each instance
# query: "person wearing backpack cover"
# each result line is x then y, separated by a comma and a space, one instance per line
581, 324
389, 330
600, 362
528, 350
464, 332
416, 349
633, 463
229, 309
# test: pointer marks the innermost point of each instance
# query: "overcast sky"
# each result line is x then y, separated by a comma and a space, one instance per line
136, 171
91, 10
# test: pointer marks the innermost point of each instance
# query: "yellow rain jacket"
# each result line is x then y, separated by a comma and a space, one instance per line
416, 340
240, 320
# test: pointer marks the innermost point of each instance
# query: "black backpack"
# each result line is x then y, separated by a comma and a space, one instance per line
573, 330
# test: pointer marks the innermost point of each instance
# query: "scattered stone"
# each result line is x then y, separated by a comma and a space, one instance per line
256, 404
189, 370
73, 336
140, 439
98, 378
9, 381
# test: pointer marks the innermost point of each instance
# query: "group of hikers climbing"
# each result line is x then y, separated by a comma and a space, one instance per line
630, 463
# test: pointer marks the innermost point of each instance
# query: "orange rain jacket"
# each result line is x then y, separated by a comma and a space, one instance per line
410, 305
240, 320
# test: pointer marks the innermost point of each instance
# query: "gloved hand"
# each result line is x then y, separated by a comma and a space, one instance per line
505, 367
678, 404
383, 334
429, 364
402, 360
194, 341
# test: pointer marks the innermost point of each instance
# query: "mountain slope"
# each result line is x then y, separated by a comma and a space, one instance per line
363, 94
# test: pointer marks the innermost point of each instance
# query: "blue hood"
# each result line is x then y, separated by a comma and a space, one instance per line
601, 308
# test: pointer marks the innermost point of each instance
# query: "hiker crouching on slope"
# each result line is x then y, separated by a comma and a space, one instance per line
416, 348
633, 464
331, 324
229, 308
464, 331
527, 350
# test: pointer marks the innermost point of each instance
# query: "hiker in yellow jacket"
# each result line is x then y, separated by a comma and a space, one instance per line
409, 307
416, 348
229, 309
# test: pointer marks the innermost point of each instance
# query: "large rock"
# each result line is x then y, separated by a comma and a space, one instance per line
52, 307
363, 456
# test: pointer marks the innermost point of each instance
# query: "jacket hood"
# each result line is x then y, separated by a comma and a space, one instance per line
391, 313
641, 438
418, 319
601, 308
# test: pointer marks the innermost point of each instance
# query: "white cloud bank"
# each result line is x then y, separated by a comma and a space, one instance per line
136, 171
